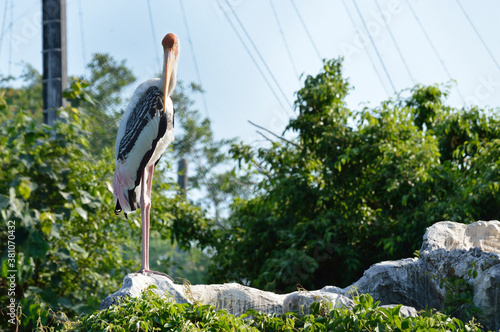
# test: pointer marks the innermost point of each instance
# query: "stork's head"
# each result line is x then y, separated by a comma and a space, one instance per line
171, 50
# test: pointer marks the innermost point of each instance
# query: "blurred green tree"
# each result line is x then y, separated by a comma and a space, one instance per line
214, 174
28, 96
107, 80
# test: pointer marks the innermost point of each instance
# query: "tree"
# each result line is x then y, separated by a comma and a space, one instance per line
357, 187
104, 107
28, 97
214, 174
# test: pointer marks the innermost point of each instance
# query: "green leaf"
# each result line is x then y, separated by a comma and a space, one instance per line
24, 188
5, 268
81, 212
27, 160
76, 248
46, 226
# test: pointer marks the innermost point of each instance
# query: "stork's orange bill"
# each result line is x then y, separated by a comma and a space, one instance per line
171, 49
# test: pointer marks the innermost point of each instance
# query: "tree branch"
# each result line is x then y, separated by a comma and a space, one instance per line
270, 132
267, 138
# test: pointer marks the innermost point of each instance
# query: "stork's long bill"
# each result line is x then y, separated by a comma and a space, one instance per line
171, 50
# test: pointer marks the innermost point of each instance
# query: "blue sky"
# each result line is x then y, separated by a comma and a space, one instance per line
235, 90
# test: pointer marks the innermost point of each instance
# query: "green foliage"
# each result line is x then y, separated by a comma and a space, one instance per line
458, 300
108, 77
102, 100
211, 170
28, 97
458, 297
150, 312
189, 263
357, 187
367, 315
68, 249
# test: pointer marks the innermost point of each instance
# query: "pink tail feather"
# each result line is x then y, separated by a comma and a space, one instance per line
120, 190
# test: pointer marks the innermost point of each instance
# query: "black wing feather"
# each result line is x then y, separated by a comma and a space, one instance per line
149, 106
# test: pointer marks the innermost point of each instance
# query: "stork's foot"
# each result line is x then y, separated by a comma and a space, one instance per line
155, 272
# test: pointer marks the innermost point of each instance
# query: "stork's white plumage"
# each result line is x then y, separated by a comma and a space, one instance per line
146, 129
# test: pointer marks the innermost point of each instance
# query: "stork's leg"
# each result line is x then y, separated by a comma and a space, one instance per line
148, 209
145, 204
146, 184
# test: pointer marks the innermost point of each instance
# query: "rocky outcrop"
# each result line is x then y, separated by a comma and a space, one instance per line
449, 250
135, 283
470, 252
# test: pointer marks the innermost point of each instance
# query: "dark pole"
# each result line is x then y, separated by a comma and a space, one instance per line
54, 57
182, 178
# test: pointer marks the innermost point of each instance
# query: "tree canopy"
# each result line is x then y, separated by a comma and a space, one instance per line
357, 187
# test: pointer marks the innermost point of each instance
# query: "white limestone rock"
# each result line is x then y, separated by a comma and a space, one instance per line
237, 299
486, 289
484, 235
301, 301
135, 283
446, 235
233, 297
449, 235
402, 282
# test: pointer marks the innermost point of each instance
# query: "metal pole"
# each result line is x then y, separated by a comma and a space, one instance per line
54, 77
182, 178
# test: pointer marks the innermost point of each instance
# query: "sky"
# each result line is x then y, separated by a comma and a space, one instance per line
416, 41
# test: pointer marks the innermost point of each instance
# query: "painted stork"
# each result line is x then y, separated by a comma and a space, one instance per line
146, 129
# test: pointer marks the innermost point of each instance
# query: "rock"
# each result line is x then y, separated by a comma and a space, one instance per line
446, 235
404, 311
484, 235
449, 249
486, 289
237, 299
477, 249
135, 283
301, 301
401, 282
450, 235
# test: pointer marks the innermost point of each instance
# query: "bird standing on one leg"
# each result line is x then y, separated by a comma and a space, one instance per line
146, 129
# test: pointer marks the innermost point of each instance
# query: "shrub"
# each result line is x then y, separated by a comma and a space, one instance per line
151, 312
